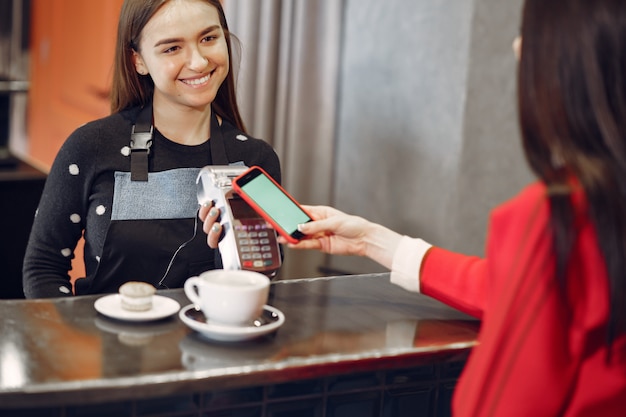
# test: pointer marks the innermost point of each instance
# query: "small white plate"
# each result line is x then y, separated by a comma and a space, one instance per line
111, 306
271, 319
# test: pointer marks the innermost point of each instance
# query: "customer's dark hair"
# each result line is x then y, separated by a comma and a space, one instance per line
572, 110
130, 89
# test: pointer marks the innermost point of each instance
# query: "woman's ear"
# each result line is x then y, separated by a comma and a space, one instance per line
140, 66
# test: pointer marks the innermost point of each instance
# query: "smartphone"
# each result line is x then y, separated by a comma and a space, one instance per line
272, 202
249, 241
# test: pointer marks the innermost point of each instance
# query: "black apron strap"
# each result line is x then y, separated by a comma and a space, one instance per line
140, 143
218, 150
218, 157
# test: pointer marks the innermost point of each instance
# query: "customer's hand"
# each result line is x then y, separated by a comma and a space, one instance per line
210, 215
333, 232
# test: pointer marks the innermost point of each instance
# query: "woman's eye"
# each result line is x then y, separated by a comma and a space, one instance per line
209, 38
170, 49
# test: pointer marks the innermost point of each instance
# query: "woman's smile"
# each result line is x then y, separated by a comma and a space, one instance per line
196, 82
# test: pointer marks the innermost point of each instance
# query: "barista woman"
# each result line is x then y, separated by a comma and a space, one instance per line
135, 201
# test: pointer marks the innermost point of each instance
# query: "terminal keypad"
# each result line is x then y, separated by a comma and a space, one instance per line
256, 240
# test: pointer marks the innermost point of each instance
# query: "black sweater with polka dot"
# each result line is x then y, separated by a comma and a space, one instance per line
131, 229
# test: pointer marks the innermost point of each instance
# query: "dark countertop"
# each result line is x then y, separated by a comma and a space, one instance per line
61, 351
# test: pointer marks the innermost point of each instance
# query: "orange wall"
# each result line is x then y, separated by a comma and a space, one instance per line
72, 49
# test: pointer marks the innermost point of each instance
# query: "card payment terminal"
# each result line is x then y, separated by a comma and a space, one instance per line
248, 241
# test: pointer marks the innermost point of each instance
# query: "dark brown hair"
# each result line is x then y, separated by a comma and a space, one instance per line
572, 111
129, 89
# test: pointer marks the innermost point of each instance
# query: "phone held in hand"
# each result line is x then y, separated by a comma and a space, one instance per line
272, 202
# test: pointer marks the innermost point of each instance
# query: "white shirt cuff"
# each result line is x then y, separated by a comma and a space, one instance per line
400, 334
407, 262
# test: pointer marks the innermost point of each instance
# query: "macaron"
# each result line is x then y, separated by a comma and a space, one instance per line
136, 296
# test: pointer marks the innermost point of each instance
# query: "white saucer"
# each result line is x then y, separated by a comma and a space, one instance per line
271, 319
111, 306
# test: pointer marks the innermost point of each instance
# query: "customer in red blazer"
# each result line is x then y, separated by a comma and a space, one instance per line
551, 291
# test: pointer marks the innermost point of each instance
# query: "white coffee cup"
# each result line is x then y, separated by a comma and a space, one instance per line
233, 297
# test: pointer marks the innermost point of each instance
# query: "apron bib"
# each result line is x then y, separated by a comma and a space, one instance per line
151, 220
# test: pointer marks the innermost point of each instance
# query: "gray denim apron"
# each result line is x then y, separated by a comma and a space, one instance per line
152, 220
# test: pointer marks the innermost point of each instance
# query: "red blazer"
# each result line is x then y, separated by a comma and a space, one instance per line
540, 354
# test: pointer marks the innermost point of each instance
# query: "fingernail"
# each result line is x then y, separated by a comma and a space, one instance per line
213, 212
301, 227
206, 204
215, 228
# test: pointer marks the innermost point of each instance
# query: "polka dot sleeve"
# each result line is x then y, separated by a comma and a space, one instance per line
59, 219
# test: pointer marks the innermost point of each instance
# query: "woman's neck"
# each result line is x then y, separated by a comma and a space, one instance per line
187, 126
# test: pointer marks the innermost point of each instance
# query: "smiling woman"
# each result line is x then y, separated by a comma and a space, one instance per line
183, 49
126, 182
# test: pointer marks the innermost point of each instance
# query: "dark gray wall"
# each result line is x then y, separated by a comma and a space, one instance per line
427, 137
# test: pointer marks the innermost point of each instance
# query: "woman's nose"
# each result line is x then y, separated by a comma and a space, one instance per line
517, 46
197, 61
